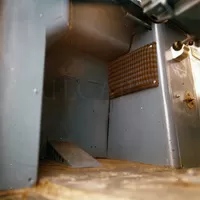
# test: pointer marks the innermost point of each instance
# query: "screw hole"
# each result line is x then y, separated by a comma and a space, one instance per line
91, 147
30, 180
191, 42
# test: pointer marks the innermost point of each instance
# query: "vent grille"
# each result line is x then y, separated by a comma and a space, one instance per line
134, 71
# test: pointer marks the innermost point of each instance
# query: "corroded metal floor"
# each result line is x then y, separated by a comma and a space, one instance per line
112, 180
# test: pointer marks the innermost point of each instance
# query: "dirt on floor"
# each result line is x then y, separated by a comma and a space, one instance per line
119, 180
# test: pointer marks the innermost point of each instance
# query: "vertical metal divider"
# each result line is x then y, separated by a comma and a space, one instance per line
173, 145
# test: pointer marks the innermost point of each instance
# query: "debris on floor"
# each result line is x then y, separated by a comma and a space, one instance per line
113, 180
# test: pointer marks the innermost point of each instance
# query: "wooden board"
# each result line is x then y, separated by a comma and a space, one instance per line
112, 180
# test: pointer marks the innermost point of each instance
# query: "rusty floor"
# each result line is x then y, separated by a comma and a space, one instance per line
119, 180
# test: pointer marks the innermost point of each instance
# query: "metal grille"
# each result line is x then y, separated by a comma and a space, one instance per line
134, 71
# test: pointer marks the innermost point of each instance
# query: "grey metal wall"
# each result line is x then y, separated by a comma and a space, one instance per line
24, 27
22, 46
78, 112
55, 17
141, 124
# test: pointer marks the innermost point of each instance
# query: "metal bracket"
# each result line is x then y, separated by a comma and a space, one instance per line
157, 10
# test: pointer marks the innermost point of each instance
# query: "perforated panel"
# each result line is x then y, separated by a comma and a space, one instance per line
134, 71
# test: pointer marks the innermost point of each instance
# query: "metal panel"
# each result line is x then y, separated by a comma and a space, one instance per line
86, 117
55, 16
78, 113
181, 81
186, 121
22, 41
141, 124
102, 25
110, 28
164, 43
155, 126
187, 16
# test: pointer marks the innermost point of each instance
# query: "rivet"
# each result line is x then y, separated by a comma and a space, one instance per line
30, 180
154, 81
35, 91
141, 108
41, 15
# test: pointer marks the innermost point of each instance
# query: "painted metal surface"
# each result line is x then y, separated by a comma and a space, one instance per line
172, 141
86, 115
78, 112
137, 130
100, 29
181, 78
185, 100
186, 13
141, 124
55, 17
110, 28
157, 125
22, 41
